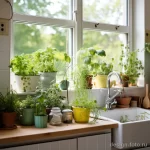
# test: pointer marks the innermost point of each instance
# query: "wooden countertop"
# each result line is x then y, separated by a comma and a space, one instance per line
24, 133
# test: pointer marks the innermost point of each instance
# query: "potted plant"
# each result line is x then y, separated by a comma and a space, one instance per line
40, 117
26, 77
52, 96
132, 67
83, 104
64, 84
10, 107
45, 61
91, 57
102, 69
27, 110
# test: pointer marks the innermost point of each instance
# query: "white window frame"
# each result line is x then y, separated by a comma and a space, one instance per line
77, 24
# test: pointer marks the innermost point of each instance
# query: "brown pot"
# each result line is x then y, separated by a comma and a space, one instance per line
9, 119
89, 82
1, 123
123, 100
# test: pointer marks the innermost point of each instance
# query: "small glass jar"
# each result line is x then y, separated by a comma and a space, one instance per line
55, 116
67, 116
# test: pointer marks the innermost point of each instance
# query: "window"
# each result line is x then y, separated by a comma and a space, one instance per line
69, 25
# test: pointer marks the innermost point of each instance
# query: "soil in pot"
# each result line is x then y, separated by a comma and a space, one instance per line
8, 119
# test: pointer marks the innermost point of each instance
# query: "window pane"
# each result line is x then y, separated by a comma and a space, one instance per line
46, 8
29, 38
105, 11
110, 42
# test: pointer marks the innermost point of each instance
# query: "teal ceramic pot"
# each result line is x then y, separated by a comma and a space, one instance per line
64, 84
47, 79
41, 121
27, 117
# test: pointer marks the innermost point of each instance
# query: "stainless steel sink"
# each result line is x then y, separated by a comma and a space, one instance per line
135, 132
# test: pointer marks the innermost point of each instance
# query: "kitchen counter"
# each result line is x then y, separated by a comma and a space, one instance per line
30, 134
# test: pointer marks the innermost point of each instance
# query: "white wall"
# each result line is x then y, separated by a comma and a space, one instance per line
4, 50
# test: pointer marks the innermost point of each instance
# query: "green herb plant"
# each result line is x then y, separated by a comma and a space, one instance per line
91, 58
10, 101
83, 97
52, 96
45, 60
29, 102
40, 105
24, 65
132, 67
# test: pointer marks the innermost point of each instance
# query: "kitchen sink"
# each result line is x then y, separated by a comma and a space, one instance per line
133, 131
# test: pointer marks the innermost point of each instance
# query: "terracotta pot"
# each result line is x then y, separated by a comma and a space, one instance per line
89, 82
123, 100
125, 80
125, 83
9, 119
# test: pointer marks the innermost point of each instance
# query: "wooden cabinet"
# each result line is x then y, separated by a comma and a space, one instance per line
94, 142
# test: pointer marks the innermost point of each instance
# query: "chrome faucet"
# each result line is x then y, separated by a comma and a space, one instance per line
110, 100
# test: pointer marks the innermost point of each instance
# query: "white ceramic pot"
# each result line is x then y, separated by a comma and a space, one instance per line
47, 79
26, 83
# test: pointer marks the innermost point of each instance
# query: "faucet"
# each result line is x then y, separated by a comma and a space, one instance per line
110, 100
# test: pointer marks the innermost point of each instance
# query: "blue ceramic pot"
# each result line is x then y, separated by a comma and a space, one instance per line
40, 121
64, 84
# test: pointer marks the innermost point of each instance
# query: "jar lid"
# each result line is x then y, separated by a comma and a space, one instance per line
55, 109
67, 110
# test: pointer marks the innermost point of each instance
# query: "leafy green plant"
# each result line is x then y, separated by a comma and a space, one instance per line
130, 64
29, 102
40, 109
45, 60
52, 96
23, 65
10, 101
83, 98
90, 57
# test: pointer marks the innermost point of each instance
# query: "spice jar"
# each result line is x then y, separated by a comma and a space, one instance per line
67, 116
55, 116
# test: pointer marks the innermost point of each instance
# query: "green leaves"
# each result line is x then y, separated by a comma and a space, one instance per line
87, 60
101, 52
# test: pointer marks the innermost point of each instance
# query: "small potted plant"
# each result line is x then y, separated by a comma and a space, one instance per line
102, 69
132, 67
27, 110
52, 96
45, 61
26, 77
10, 108
90, 58
40, 117
83, 104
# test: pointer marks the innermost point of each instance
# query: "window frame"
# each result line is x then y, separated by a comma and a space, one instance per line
77, 25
